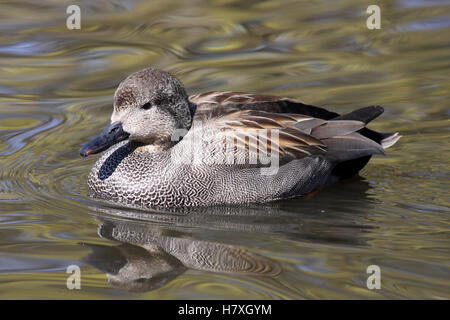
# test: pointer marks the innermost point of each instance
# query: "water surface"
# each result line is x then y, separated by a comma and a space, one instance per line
56, 89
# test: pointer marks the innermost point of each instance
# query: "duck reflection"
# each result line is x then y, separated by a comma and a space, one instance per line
158, 246
149, 257
135, 268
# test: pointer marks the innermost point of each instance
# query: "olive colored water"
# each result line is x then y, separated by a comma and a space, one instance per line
56, 89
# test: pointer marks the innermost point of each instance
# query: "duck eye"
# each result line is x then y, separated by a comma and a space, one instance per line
147, 106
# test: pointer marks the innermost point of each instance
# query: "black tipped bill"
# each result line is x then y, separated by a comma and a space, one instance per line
111, 135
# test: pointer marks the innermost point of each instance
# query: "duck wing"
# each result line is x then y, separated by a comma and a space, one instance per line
268, 103
249, 127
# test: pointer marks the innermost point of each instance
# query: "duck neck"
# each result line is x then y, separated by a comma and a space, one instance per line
152, 148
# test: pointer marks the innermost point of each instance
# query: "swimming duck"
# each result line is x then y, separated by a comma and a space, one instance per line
167, 149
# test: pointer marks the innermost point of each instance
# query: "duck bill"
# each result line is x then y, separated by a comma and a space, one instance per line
111, 135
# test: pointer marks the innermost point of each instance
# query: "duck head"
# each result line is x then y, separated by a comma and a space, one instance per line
149, 106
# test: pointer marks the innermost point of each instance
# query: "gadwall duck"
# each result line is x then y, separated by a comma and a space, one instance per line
168, 149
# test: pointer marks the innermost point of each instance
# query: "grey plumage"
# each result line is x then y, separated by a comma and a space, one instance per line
151, 169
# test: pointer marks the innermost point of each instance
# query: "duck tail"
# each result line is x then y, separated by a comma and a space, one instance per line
347, 137
354, 150
366, 115
352, 146
389, 139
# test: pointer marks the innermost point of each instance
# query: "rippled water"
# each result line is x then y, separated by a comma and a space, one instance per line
56, 88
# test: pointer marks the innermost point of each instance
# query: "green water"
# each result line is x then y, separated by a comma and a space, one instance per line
56, 89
